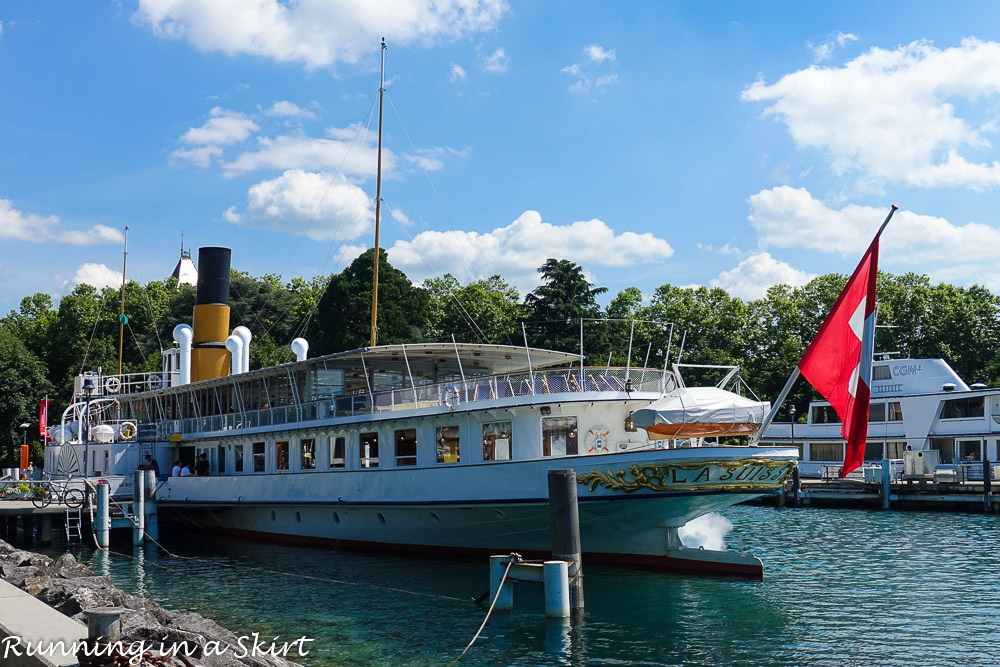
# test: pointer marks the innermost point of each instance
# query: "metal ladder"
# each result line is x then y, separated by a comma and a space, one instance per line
74, 523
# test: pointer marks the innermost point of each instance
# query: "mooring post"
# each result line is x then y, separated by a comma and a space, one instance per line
564, 520
886, 482
505, 599
987, 484
138, 518
796, 486
149, 485
102, 526
556, 578
45, 529
104, 623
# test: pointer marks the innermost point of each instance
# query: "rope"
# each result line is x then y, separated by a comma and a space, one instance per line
514, 558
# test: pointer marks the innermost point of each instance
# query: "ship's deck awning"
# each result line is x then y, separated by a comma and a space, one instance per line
423, 357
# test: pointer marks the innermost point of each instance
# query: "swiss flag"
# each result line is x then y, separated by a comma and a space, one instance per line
838, 362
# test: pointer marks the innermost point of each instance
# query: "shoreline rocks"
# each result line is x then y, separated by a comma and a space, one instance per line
69, 587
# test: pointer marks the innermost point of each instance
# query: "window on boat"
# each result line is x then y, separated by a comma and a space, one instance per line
559, 436
824, 414
406, 447
826, 451
874, 451
259, 463
881, 373
281, 455
237, 458
962, 408
369, 449
496, 441
447, 444
896, 448
308, 454
970, 450
895, 411
876, 412
338, 454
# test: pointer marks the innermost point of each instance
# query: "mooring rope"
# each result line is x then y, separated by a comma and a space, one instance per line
514, 558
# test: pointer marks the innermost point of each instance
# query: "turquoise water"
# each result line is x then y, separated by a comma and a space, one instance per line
841, 587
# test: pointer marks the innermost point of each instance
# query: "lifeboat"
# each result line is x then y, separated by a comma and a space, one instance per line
700, 412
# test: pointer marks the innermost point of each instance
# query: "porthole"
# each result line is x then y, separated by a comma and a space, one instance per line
298, 517
336, 518
381, 518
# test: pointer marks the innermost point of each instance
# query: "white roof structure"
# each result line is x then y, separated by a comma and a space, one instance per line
185, 271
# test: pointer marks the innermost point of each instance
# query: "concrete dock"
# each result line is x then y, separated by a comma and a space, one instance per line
32, 621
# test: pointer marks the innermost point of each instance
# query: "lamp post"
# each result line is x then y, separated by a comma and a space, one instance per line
791, 421
88, 390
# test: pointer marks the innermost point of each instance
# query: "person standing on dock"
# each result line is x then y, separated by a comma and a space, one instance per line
156, 465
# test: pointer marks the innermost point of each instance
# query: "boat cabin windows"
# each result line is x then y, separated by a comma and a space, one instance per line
881, 372
824, 414
308, 454
895, 411
876, 413
238, 458
259, 462
962, 408
369, 449
406, 447
496, 441
338, 451
281, 455
970, 450
447, 444
826, 451
559, 436
874, 451
896, 448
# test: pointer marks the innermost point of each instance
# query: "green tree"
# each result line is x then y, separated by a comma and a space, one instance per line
555, 307
22, 383
485, 311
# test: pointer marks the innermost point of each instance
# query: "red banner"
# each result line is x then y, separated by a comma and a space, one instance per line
43, 420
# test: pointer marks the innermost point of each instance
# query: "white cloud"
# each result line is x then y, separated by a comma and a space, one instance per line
318, 205
201, 156
588, 73
15, 224
401, 217
1, 28
890, 115
316, 33
837, 40
457, 73
95, 275
432, 159
722, 250
787, 217
496, 62
223, 128
302, 152
286, 108
598, 54
751, 278
518, 249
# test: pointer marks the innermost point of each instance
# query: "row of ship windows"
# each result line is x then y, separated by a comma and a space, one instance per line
962, 450
956, 408
559, 438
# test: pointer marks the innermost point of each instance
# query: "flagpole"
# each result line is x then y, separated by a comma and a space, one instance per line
796, 373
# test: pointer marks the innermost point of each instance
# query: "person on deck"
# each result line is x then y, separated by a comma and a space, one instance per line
176, 472
156, 465
185, 471
201, 466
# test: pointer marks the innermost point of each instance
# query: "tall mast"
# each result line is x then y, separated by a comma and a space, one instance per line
121, 315
378, 202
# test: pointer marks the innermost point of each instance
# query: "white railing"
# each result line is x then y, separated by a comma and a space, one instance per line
473, 390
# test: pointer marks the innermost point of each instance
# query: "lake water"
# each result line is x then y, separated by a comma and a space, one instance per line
841, 587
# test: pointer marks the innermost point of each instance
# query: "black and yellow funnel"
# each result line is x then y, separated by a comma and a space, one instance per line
209, 356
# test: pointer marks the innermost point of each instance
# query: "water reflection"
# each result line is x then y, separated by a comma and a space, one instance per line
841, 586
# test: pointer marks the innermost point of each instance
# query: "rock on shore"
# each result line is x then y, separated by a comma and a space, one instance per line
70, 587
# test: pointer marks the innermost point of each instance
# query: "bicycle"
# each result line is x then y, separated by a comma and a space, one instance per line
48, 492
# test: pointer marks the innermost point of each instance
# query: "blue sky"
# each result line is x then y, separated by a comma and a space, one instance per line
730, 144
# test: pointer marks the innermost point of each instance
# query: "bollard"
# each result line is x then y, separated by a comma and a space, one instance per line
104, 623
556, 577
987, 485
138, 511
102, 527
152, 523
886, 482
796, 486
45, 529
505, 600
564, 521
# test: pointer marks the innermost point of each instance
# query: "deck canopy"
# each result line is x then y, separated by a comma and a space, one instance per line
689, 412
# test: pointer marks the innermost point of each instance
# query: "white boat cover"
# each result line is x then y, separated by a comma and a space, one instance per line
710, 407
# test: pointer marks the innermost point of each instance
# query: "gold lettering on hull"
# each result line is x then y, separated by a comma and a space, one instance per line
742, 475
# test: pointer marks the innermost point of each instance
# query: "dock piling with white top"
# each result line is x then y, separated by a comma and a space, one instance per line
564, 518
102, 523
138, 511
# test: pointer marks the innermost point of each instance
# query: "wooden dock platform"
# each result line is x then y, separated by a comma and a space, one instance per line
969, 496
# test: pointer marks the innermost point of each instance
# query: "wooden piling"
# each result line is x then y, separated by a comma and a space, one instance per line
564, 519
